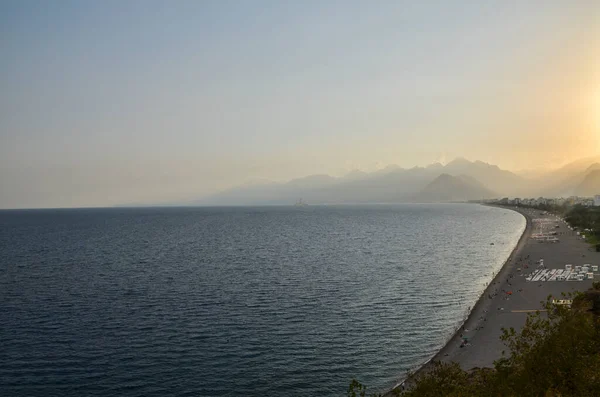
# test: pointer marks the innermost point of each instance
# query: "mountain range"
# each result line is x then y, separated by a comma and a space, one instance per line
459, 180
577, 178
448, 188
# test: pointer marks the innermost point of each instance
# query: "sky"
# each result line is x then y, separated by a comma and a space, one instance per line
115, 102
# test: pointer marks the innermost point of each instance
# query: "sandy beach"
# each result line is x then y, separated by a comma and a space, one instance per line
496, 309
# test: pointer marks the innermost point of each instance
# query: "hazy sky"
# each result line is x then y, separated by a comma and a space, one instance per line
107, 102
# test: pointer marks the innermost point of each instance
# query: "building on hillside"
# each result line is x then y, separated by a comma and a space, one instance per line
597, 200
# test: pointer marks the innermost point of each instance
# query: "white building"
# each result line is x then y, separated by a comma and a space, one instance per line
597, 200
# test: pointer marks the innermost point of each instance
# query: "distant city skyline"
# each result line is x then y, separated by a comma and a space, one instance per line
105, 102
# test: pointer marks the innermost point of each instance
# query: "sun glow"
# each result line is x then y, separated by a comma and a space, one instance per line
593, 109
597, 109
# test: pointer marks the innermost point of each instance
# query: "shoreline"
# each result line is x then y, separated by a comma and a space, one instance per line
509, 298
480, 304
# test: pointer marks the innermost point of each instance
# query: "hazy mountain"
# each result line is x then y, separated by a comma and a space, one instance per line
458, 180
388, 169
448, 188
355, 175
590, 185
435, 166
391, 184
491, 176
564, 181
575, 167
312, 181
532, 174
593, 167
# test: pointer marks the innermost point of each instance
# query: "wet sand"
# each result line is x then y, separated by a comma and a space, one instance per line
483, 326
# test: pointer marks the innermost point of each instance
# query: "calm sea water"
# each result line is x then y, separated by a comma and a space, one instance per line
236, 301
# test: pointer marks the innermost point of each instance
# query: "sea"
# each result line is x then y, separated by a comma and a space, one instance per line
237, 301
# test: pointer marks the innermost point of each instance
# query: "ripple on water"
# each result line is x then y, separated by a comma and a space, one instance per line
236, 301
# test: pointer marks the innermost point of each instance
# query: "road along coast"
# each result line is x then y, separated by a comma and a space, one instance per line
509, 297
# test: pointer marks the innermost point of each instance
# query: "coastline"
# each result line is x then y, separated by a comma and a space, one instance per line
480, 305
507, 300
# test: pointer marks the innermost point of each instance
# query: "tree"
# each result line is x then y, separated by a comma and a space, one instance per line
357, 387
